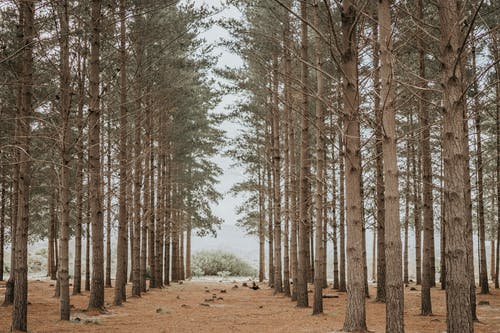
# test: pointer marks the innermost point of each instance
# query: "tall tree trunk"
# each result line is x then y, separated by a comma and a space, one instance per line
406, 257
379, 187
287, 136
442, 277
483, 272
416, 205
87, 237
108, 202
459, 318
64, 198
427, 274
188, 248
276, 164
334, 209
20, 311
355, 318
269, 194
77, 275
122, 251
294, 189
342, 262
136, 243
261, 231
304, 185
393, 255
97, 288
320, 132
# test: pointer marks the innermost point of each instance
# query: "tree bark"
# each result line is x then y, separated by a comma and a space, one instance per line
320, 132
20, 311
64, 197
355, 318
122, 248
394, 281
304, 186
97, 287
276, 164
483, 269
459, 318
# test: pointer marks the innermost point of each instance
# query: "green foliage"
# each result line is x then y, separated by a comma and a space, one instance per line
220, 263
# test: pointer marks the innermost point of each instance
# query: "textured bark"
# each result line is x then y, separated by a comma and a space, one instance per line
160, 214
468, 214
20, 310
64, 197
428, 222
122, 252
287, 152
393, 254
77, 275
276, 165
442, 277
416, 206
87, 239
483, 269
269, 196
342, 262
459, 317
97, 284
136, 241
355, 318
334, 210
109, 191
304, 185
320, 132
379, 187
146, 253
294, 188
261, 231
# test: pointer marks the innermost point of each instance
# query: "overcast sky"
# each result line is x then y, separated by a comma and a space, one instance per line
230, 237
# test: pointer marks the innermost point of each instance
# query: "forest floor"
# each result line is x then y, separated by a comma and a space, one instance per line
199, 306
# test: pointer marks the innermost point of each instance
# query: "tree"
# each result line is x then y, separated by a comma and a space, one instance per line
392, 235
355, 319
19, 314
97, 288
459, 316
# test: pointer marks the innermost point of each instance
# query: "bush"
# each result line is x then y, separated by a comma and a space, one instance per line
212, 263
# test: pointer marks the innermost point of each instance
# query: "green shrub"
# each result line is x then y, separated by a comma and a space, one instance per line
213, 263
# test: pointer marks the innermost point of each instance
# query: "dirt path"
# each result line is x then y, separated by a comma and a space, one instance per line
220, 307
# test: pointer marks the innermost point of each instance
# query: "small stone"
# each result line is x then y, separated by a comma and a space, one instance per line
245, 284
223, 291
330, 296
220, 299
204, 304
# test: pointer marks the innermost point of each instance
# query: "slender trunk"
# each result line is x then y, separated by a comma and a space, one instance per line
121, 255
320, 132
459, 318
406, 278
342, 262
355, 318
276, 164
380, 186
97, 287
416, 206
393, 255
304, 185
293, 202
287, 111
483, 272
87, 238
77, 278
270, 235
334, 210
108, 203
64, 198
442, 277
261, 231
20, 310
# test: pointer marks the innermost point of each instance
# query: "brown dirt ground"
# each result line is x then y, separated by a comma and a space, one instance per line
178, 308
